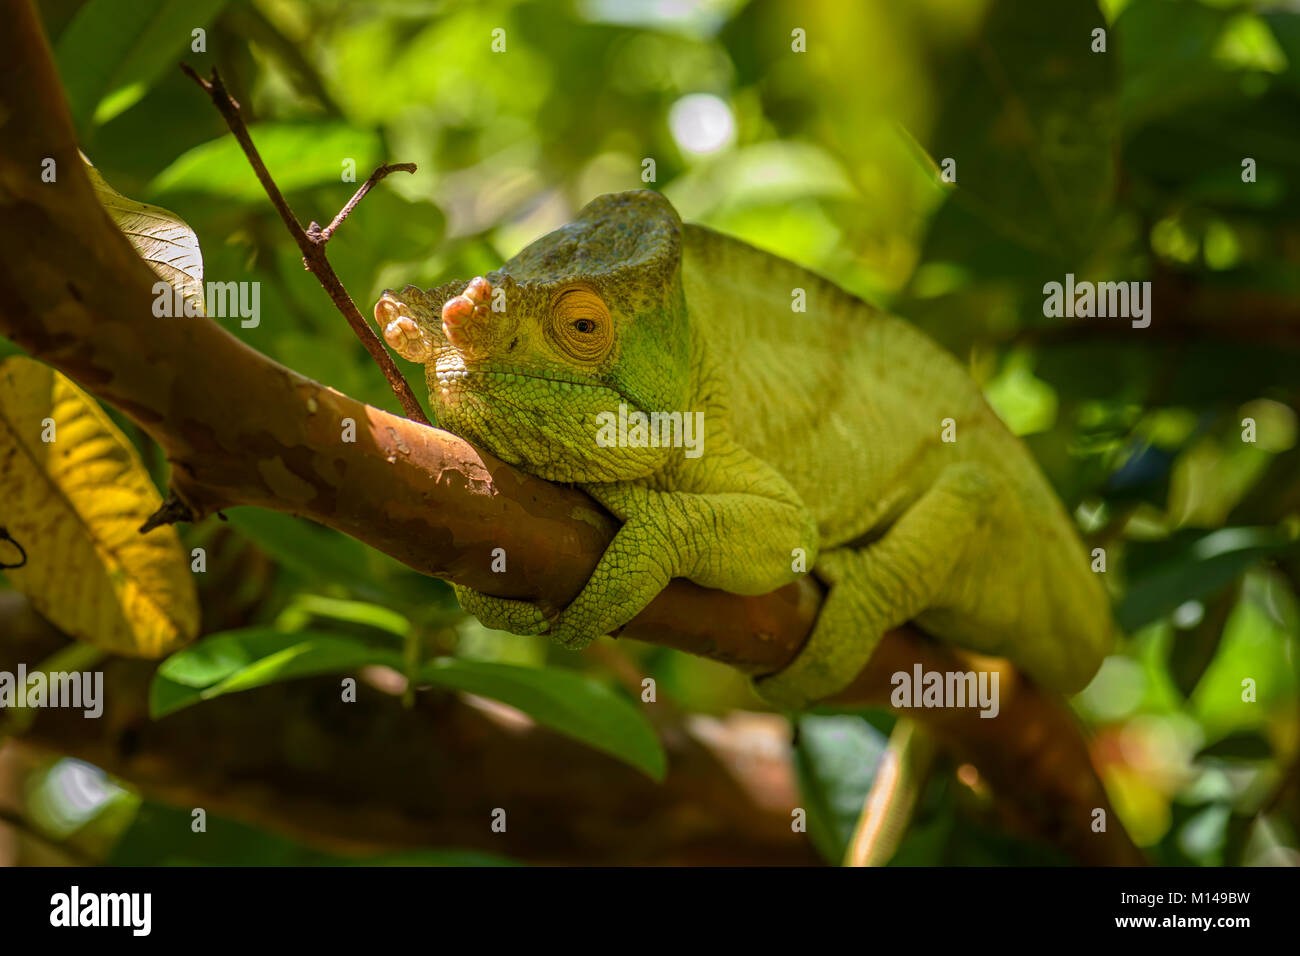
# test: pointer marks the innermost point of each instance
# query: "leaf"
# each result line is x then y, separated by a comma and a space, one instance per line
1166, 51
314, 552
1286, 30
1193, 651
303, 607
570, 703
320, 555
254, 657
574, 705
297, 155
162, 239
836, 759
76, 504
162, 835
1196, 565
112, 52
1240, 745
1192, 564
1032, 124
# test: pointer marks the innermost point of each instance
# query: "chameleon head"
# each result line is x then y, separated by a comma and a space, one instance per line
524, 360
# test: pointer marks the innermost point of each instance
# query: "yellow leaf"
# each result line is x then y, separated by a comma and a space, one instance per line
75, 504
163, 240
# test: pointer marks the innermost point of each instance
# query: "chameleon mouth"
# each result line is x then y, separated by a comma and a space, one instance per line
467, 378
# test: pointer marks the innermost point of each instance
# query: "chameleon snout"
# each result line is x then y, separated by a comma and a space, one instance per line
465, 318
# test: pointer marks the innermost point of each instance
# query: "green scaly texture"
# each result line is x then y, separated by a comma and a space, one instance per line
822, 447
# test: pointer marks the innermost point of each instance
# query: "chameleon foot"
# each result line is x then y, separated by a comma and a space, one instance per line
502, 614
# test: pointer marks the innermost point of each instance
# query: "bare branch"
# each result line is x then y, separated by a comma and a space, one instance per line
323, 235
312, 243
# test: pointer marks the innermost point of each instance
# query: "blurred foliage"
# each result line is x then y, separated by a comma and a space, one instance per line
1125, 164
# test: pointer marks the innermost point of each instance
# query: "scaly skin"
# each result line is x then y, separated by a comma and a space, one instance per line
821, 435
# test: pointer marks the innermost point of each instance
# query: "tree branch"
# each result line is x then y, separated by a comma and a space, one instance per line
312, 241
428, 776
239, 429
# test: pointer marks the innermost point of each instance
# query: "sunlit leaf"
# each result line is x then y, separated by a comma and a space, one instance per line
297, 155
75, 504
112, 52
571, 703
254, 657
162, 239
836, 759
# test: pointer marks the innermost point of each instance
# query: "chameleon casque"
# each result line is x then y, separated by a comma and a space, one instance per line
821, 433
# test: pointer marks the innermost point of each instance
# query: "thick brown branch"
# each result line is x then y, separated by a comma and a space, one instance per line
312, 242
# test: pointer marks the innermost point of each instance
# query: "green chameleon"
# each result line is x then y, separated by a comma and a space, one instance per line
818, 443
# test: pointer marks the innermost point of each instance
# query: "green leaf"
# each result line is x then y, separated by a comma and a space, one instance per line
1166, 51
303, 607
570, 703
1198, 565
1032, 125
1286, 30
299, 156
1241, 745
565, 701
836, 759
161, 835
1194, 650
320, 555
253, 657
113, 52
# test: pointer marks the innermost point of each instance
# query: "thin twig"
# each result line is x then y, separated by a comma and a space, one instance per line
323, 235
312, 241
170, 511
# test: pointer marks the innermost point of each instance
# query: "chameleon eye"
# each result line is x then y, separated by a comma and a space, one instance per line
581, 324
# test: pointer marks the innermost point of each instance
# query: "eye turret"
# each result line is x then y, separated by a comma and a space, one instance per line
581, 324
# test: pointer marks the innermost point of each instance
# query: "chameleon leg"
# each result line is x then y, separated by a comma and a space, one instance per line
738, 540
883, 586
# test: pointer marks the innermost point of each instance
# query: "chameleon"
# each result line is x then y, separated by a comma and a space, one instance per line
821, 446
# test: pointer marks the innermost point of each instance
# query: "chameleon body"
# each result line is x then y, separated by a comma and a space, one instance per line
821, 446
